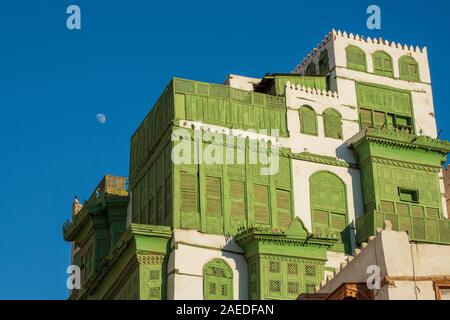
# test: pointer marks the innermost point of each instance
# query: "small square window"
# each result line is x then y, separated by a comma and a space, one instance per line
408, 195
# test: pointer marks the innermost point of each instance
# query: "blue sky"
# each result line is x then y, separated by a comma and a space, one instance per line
54, 81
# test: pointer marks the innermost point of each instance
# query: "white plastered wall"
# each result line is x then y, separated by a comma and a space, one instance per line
422, 96
241, 82
191, 250
303, 170
397, 259
321, 145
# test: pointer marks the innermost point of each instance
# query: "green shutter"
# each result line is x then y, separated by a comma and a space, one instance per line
409, 69
379, 119
284, 208
151, 211
324, 65
333, 124
308, 120
387, 207
365, 116
213, 196
418, 211
214, 217
168, 204
217, 281
189, 196
356, 58
403, 209
328, 204
237, 204
311, 69
160, 206
261, 205
433, 213
382, 64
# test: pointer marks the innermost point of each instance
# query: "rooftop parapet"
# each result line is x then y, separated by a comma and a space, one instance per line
338, 34
109, 186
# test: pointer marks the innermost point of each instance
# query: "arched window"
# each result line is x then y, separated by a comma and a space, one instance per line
308, 120
217, 281
328, 203
382, 64
356, 58
324, 66
311, 69
409, 69
332, 121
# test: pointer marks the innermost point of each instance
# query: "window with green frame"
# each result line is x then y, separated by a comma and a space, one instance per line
328, 203
286, 279
236, 193
382, 64
214, 213
356, 58
308, 120
332, 120
261, 204
324, 63
409, 69
189, 200
379, 119
217, 281
311, 70
284, 208
408, 195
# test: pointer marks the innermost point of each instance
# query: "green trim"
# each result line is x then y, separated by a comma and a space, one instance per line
308, 121
382, 64
328, 196
409, 69
402, 138
332, 120
283, 264
318, 83
204, 247
356, 58
217, 281
311, 70
310, 157
370, 73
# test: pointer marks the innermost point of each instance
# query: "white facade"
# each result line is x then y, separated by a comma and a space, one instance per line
190, 252
408, 271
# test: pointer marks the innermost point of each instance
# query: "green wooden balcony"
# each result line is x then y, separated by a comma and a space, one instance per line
109, 186
419, 229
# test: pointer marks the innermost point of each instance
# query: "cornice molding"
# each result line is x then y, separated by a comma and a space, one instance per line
310, 157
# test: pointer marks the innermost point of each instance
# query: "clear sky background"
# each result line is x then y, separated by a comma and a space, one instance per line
54, 81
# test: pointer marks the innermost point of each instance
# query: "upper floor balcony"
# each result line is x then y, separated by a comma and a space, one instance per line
109, 187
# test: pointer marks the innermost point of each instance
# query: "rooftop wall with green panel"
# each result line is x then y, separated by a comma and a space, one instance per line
400, 183
229, 107
150, 132
208, 103
384, 107
318, 83
98, 226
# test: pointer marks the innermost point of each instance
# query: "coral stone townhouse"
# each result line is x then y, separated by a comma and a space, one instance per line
358, 163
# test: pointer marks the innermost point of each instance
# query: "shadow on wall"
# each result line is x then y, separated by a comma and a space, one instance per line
241, 267
344, 153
